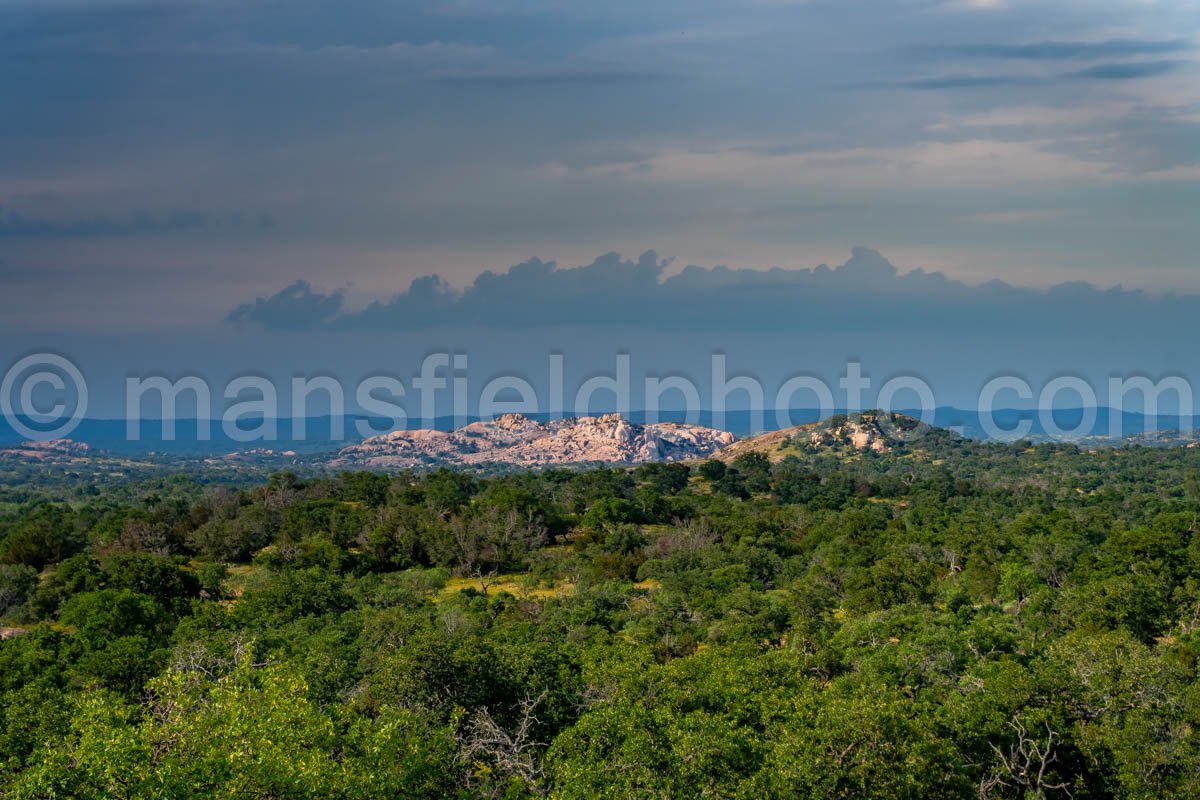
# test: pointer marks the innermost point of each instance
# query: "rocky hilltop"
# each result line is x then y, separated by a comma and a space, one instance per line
52, 450
517, 440
875, 431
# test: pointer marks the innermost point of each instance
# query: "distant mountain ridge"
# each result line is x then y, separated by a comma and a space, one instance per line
321, 443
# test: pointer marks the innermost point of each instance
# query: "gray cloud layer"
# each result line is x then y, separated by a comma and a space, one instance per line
14, 225
865, 293
296, 306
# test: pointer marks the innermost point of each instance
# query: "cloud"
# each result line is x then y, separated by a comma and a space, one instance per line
543, 78
401, 135
1056, 51
1110, 71
534, 289
977, 5
296, 306
1116, 61
1037, 116
971, 162
866, 293
1015, 216
1122, 71
957, 82
14, 225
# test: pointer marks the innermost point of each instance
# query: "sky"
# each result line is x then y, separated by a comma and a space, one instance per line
215, 187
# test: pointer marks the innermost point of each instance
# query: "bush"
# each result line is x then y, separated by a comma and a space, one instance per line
17, 582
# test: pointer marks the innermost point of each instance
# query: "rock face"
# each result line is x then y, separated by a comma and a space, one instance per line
865, 432
516, 440
49, 450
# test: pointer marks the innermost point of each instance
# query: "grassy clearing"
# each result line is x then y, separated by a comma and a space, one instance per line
519, 585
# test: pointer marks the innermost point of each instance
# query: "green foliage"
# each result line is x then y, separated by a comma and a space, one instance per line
947, 620
46, 535
755, 469
250, 731
17, 585
610, 511
120, 634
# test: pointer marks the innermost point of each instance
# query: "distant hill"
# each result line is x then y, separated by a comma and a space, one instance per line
870, 431
517, 441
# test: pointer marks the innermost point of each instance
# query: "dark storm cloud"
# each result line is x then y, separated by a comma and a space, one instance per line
866, 293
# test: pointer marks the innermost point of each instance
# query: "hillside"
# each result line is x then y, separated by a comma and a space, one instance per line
894, 624
870, 431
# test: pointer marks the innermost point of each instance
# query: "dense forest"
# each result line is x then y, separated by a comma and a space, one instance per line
946, 620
